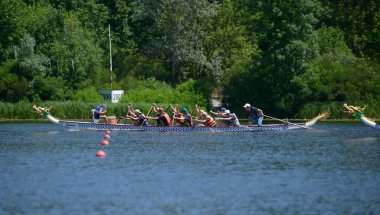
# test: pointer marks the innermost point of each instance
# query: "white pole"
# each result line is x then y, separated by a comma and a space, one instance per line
109, 35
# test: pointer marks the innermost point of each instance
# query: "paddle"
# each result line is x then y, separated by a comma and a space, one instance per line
288, 122
192, 113
168, 108
174, 113
191, 117
129, 105
146, 116
172, 123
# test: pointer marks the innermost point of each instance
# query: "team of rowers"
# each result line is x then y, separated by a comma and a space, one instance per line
182, 117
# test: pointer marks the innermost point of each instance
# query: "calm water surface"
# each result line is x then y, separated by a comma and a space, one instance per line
332, 169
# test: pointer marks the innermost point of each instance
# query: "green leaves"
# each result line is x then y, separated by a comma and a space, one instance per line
278, 55
151, 91
175, 33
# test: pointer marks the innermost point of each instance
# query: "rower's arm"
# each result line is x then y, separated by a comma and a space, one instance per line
214, 113
200, 120
229, 118
149, 117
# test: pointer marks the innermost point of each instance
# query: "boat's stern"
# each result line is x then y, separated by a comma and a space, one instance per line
314, 120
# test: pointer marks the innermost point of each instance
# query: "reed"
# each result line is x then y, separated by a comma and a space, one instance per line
69, 109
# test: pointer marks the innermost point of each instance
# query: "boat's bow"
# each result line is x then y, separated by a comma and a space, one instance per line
45, 112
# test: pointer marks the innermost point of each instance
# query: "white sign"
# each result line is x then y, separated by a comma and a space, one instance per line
112, 95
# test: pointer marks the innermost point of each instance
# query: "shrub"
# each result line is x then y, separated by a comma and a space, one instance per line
89, 94
151, 90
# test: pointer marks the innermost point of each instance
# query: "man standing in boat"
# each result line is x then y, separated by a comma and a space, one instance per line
99, 113
254, 114
163, 119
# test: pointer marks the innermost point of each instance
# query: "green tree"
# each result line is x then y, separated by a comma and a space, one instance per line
75, 55
30, 64
286, 41
336, 75
360, 22
171, 30
13, 26
230, 40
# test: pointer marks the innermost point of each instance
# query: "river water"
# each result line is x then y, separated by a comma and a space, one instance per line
331, 169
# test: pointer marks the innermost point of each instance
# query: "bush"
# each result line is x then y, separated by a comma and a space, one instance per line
151, 91
88, 95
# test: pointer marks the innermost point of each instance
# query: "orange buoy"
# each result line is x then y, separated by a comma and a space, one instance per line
100, 154
105, 143
108, 131
107, 136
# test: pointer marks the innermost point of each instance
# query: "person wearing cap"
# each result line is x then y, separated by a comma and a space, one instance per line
199, 111
177, 116
99, 113
220, 112
206, 120
230, 119
187, 118
254, 114
138, 117
163, 119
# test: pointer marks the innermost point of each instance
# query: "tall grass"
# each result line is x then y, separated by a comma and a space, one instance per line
71, 109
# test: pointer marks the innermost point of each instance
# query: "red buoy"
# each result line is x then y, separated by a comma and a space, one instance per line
105, 143
100, 154
107, 136
108, 131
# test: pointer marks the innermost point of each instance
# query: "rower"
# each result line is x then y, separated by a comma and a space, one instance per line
163, 119
138, 117
188, 119
206, 120
177, 116
230, 119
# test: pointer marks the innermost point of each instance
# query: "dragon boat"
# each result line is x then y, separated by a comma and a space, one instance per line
76, 125
357, 112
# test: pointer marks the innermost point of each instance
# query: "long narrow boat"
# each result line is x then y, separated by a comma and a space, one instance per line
97, 126
357, 112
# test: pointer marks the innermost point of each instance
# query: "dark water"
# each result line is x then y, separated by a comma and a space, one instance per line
332, 169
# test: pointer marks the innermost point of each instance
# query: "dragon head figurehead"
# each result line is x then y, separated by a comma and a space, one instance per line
43, 111
356, 111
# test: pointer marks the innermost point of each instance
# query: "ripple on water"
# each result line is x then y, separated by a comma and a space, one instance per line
329, 169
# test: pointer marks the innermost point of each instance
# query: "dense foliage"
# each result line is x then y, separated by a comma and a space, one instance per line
291, 58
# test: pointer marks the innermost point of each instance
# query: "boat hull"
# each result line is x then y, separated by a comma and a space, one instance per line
369, 122
121, 127
75, 125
